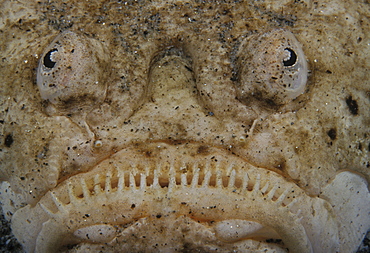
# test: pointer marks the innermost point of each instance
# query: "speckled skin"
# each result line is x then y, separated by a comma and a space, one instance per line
172, 81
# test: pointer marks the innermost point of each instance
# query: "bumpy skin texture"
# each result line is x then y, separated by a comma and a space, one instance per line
176, 147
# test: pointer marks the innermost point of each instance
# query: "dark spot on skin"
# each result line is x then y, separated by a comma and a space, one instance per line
47, 60
133, 206
8, 140
277, 241
280, 167
174, 142
188, 68
352, 105
70, 246
234, 78
75, 101
202, 149
158, 216
292, 59
332, 133
189, 248
329, 72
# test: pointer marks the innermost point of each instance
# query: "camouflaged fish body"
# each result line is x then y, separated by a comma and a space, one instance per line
185, 126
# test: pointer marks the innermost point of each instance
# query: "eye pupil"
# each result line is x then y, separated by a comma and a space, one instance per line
47, 59
291, 59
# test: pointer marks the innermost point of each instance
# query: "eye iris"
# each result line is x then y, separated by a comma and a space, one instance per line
292, 59
47, 59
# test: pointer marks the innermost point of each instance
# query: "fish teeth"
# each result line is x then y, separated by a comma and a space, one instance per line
132, 181
97, 186
271, 193
245, 183
183, 170
191, 184
207, 178
256, 186
282, 197
143, 181
219, 179
108, 183
264, 189
291, 204
155, 184
195, 179
71, 194
299, 213
172, 179
61, 206
184, 182
121, 181
47, 210
85, 190
231, 184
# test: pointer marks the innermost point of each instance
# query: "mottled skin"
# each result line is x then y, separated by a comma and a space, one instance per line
172, 78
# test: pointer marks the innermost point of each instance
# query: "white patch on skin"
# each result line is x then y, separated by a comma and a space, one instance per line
98, 144
235, 230
349, 195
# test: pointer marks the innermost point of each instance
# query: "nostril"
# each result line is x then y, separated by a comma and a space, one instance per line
170, 78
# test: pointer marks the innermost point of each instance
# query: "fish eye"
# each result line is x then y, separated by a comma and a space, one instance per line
72, 72
291, 58
271, 68
48, 62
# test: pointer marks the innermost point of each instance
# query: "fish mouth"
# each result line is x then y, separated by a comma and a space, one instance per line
202, 197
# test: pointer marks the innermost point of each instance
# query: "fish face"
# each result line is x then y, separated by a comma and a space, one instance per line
184, 126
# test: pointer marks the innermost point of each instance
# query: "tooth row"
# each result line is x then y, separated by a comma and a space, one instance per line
121, 180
